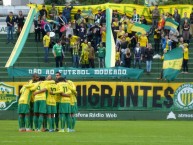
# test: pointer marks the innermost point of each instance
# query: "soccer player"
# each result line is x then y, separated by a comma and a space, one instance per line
64, 106
73, 102
50, 102
40, 103
24, 107
35, 79
57, 98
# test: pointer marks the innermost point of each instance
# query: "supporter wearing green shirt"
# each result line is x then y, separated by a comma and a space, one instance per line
101, 56
58, 53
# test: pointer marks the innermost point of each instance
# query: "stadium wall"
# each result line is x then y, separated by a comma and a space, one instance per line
117, 100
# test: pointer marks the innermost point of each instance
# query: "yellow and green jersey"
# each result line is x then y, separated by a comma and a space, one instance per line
32, 96
62, 87
46, 41
143, 41
25, 95
84, 46
186, 53
120, 33
32, 87
84, 57
42, 96
51, 99
72, 87
117, 56
75, 49
116, 24
57, 97
103, 36
73, 40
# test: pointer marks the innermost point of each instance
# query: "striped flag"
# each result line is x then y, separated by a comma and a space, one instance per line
171, 24
140, 28
172, 63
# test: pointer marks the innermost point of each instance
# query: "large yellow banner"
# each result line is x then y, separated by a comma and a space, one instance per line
125, 8
108, 95
114, 86
97, 87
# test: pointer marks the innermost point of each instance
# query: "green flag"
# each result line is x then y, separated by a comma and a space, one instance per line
172, 63
140, 28
171, 24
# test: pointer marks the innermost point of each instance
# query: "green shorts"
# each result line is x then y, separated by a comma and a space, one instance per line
72, 109
23, 109
64, 108
51, 109
76, 107
57, 107
40, 106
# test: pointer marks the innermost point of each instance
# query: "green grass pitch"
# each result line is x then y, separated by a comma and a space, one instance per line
104, 133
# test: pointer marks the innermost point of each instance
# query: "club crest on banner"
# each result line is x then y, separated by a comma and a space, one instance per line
183, 97
7, 96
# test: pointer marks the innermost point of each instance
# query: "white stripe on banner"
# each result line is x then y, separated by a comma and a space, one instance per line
110, 43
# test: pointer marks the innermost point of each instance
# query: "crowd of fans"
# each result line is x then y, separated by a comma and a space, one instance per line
85, 36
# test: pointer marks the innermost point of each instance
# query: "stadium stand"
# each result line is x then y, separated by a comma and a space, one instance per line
33, 56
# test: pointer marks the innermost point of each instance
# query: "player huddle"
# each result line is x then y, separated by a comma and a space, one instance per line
46, 101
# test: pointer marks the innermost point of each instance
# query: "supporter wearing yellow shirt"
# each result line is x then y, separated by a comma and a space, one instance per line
116, 23
185, 58
73, 39
46, 43
117, 57
128, 39
84, 45
103, 37
120, 33
143, 40
84, 58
